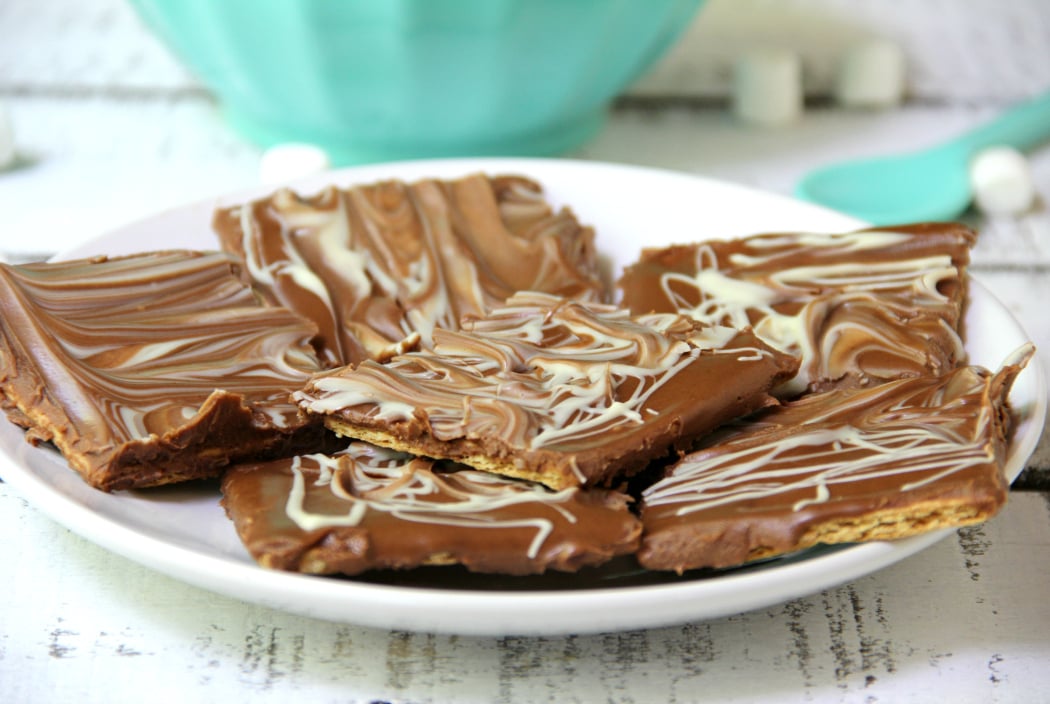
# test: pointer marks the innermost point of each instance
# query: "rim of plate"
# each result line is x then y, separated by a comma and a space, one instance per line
486, 612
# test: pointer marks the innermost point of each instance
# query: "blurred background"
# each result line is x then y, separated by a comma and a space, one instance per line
109, 123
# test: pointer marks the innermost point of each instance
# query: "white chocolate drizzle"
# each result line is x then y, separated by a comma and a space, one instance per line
817, 460
373, 479
139, 343
792, 307
902, 435
538, 372
374, 264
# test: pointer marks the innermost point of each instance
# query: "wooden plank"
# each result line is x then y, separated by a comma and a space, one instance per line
113, 160
964, 621
979, 50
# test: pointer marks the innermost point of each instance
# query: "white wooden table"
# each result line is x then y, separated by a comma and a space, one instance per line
109, 127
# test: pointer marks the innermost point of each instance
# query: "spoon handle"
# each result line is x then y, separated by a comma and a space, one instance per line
1022, 127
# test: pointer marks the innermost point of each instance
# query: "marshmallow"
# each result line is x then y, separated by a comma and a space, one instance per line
1002, 181
286, 162
767, 88
7, 139
871, 75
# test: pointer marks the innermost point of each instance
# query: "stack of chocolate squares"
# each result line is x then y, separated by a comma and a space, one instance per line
395, 375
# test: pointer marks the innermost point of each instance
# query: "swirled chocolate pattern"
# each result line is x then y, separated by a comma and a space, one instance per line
857, 307
556, 391
152, 368
889, 461
372, 508
375, 264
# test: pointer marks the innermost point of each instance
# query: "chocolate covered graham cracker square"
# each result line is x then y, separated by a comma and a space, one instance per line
368, 508
565, 393
886, 462
153, 368
372, 264
857, 308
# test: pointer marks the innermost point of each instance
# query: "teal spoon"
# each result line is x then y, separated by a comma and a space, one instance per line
933, 184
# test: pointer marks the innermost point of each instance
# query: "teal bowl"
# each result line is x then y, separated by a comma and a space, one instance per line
376, 80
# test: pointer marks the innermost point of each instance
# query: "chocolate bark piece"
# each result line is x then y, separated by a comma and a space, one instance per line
371, 508
886, 462
858, 308
153, 368
374, 264
560, 392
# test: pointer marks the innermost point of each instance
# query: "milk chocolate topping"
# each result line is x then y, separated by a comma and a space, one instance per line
369, 507
373, 264
856, 307
562, 392
885, 462
151, 368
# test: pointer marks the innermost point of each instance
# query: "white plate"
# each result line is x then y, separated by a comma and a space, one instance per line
184, 533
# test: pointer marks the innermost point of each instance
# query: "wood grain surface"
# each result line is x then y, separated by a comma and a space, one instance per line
964, 621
